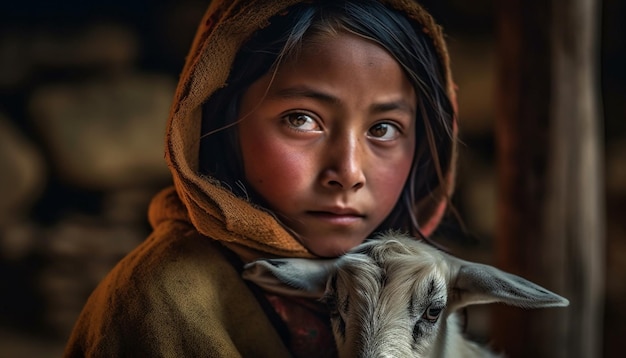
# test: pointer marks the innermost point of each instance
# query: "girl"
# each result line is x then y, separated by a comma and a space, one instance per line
299, 128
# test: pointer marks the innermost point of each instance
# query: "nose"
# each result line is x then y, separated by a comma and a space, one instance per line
344, 164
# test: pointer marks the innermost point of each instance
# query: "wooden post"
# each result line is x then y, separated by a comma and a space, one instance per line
550, 203
575, 204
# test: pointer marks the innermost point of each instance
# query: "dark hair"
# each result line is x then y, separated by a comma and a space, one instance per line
414, 51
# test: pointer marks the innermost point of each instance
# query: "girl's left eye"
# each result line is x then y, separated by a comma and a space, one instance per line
301, 121
384, 131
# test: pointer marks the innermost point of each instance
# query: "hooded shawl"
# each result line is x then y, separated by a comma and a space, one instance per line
179, 293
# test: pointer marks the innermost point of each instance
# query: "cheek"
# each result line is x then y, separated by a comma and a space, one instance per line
389, 184
277, 178
390, 176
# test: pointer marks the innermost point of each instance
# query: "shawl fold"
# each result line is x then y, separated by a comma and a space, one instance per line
176, 295
249, 231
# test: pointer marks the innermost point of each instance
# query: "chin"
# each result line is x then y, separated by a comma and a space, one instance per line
333, 249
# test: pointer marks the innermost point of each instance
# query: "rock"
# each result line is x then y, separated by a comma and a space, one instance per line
24, 51
22, 173
107, 133
78, 253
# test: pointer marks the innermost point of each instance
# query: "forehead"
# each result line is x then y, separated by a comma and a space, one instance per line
337, 48
395, 259
344, 66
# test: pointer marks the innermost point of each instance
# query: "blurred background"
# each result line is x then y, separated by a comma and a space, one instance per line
85, 90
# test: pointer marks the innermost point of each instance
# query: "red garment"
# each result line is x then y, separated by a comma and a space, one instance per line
308, 326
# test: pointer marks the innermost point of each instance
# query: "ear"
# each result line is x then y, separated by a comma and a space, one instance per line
479, 284
291, 276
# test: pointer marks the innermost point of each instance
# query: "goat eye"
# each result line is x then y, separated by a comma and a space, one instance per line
432, 313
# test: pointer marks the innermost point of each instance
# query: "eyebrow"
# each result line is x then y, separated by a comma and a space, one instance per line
392, 106
306, 92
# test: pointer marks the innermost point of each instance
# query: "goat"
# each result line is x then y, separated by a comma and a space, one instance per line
395, 296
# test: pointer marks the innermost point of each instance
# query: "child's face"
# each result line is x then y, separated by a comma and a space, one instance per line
328, 142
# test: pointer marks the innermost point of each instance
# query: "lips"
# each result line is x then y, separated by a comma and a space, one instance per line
338, 210
339, 216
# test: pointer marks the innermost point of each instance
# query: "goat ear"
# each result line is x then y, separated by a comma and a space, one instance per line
291, 276
479, 284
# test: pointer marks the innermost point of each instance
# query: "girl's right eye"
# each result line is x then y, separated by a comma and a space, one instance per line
301, 122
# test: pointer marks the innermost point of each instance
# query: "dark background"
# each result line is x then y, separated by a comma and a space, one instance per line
64, 231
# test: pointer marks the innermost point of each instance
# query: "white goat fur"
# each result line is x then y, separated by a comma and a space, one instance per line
395, 296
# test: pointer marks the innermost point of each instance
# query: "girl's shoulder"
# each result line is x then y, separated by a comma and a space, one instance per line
176, 280
177, 259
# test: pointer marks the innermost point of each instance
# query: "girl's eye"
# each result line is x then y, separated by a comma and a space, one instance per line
384, 131
301, 121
